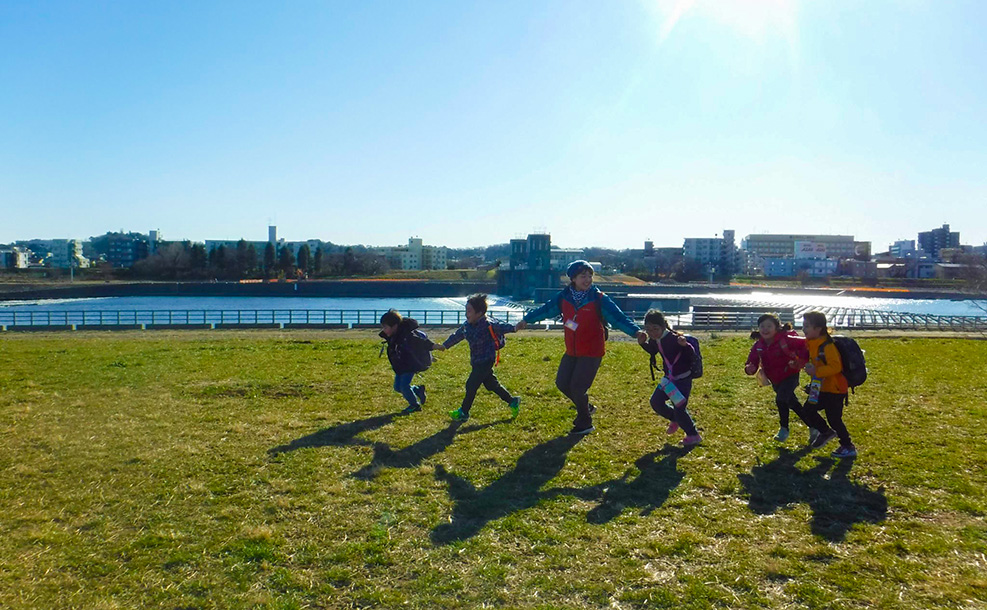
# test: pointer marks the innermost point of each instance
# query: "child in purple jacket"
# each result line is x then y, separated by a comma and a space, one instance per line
676, 385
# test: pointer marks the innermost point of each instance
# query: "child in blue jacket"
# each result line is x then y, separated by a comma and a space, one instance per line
482, 333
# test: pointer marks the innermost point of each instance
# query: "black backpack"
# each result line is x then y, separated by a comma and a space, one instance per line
695, 371
854, 365
417, 347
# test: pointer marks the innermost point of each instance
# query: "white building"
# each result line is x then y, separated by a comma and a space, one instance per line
561, 258
415, 256
14, 258
67, 253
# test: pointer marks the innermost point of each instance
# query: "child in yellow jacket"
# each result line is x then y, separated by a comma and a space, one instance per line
828, 386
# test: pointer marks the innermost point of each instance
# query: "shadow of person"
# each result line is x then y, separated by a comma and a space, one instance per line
836, 502
414, 454
839, 503
649, 490
338, 435
516, 490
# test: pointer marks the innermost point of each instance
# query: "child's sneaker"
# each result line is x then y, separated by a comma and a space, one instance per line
411, 409
689, 441
813, 435
458, 415
515, 406
581, 431
592, 409
823, 438
782, 435
845, 451
672, 428
419, 391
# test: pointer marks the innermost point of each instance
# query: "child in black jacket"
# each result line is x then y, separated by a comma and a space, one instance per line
408, 352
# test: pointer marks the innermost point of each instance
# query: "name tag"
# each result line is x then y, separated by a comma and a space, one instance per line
571, 324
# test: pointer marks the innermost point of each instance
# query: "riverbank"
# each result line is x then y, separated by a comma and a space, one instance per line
410, 288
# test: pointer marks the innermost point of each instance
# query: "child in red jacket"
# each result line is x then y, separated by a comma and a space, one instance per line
781, 354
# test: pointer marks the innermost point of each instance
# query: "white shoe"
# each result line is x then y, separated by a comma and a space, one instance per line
782, 435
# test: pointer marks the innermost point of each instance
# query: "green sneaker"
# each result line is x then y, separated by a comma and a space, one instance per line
515, 406
458, 415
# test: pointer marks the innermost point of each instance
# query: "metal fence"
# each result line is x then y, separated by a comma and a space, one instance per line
700, 320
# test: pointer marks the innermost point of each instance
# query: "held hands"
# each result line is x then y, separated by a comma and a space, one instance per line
810, 368
439, 347
682, 341
750, 369
520, 326
642, 337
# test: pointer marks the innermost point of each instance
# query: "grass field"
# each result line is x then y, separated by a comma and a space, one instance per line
270, 470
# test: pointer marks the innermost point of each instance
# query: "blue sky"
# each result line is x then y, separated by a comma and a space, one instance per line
605, 123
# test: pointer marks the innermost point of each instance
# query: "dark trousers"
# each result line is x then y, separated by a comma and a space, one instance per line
483, 374
832, 404
679, 414
575, 376
785, 398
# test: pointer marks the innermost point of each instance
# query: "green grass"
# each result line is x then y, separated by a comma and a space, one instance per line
269, 470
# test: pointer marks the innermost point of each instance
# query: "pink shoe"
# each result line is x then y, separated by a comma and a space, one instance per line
689, 441
672, 428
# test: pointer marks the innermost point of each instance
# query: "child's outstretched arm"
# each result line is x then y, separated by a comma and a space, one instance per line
753, 360
453, 339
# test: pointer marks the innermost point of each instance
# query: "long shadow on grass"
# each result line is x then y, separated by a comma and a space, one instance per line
836, 502
649, 490
516, 490
338, 435
413, 455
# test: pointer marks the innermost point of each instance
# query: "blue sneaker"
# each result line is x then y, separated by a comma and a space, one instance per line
458, 415
419, 391
411, 409
845, 451
515, 406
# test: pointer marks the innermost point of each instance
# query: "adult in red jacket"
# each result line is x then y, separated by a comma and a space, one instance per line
781, 354
584, 309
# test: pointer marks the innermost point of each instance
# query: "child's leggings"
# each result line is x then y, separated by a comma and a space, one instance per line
785, 398
483, 374
575, 376
832, 404
680, 414
402, 384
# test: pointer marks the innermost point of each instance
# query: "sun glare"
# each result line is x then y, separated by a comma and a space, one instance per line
756, 19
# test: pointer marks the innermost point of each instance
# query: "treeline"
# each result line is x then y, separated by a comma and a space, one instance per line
190, 261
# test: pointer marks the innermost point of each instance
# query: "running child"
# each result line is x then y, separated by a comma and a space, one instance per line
485, 338
584, 310
781, 354
827, 387
676, 385
407, 351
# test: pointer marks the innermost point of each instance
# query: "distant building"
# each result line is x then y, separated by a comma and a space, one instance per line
793, 267
775, 246
67, 253
903, 248
719, 253
560, 258
123, 250
531, 267
935, 240
415, 256
14, 258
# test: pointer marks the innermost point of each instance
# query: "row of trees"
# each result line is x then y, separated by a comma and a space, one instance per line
187, 260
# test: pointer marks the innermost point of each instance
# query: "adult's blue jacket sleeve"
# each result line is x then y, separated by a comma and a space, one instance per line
547, 311
617, 318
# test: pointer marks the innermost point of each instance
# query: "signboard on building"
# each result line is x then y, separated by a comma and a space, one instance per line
810, 249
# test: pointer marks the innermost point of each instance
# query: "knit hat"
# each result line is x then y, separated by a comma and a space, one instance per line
577, 267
